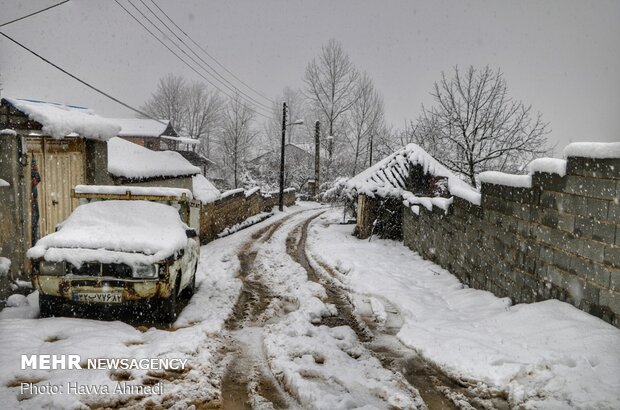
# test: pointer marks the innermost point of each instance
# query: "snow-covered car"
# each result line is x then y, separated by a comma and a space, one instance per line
117, 252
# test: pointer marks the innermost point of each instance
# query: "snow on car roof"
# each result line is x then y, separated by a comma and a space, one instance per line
129, 160
141, 127
59, 120
121, 231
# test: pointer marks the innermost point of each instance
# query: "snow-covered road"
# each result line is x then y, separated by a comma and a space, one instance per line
294, 312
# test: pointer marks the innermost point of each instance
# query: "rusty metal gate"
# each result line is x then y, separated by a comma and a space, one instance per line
61, 165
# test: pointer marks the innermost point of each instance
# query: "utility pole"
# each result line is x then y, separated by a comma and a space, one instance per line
317, 158
281, 198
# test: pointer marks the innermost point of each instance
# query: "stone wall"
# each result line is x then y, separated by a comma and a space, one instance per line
233, 209
559, 239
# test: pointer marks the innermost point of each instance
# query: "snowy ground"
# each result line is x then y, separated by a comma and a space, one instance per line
279, 321
543, 355
193, 336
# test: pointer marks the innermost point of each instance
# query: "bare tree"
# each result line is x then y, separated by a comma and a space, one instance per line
475, 126
296, 107
169, 101
365, 119
331, 81
237, 136
204, 109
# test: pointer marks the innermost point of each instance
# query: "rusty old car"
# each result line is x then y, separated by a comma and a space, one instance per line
137, 254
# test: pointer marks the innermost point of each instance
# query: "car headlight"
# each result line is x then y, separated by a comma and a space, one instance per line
145, 271
52, 268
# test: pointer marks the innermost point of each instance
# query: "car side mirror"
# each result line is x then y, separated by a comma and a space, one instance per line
191, 233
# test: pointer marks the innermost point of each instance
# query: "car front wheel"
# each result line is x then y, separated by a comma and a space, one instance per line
168, 306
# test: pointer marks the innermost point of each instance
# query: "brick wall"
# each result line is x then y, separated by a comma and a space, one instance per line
559, 239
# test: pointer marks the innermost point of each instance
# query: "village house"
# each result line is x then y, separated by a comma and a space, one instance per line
298, 171
45, 150
152, 134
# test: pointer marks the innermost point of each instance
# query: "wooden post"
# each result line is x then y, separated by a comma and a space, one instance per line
317, 158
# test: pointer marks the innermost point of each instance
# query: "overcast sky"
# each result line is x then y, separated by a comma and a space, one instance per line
562, 57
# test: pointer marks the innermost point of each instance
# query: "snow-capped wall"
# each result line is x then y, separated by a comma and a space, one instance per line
553, 234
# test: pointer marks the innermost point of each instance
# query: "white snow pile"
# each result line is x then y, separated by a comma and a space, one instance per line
177, 193
409, 199
131, 232
599, 150
548, 165
4, 183
502, 178
204, 190
60, 120
387, 177
129, 160
182, 140
141, 127
5, 265
254, 219
251, 191
543, 355
231, 192
8, 131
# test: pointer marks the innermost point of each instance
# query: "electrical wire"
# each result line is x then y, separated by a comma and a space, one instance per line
32, 14
202, 59
210, 56
80, 80
253, 107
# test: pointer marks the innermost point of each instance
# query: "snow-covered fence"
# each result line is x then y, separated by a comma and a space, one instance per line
233, 207
552, 234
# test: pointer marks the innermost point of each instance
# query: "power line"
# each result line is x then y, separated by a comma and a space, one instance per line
202, 59
231, 88
252, 107
80, 80
209, 55
32, 14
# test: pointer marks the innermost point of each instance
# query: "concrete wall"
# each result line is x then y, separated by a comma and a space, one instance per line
559, 239
233, 209
97, 163
12, 202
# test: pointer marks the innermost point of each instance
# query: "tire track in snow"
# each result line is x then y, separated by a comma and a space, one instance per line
438, 390
247, 381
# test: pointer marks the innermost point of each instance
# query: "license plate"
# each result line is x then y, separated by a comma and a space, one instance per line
101, 297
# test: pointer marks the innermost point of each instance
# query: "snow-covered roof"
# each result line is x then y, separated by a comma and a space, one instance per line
177, 193
593, 150
129, 160
141, 127
4, 183
387, 177
59, 120
182, 140
132, 232
204, 190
